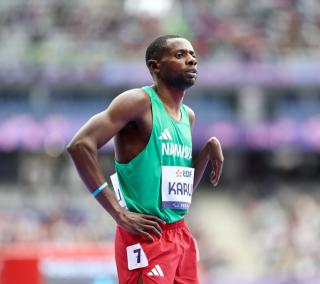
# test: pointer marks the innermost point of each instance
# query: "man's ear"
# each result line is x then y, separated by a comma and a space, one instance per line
153, 66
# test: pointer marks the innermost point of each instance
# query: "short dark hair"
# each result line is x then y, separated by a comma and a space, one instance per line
157, 45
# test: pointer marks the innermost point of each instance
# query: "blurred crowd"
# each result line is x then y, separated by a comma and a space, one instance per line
281, 237
247, 30
87, 33
287, 228
53, 223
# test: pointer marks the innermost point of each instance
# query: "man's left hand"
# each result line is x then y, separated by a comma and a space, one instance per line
217, 159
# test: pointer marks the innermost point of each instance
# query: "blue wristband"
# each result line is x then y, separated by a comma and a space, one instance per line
99, 189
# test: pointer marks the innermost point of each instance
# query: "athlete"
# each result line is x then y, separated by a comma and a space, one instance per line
155, 174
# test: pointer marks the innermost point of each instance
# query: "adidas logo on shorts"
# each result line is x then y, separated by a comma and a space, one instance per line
156, 271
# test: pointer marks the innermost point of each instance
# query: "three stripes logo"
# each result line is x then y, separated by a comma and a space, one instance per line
156, 271
165, 135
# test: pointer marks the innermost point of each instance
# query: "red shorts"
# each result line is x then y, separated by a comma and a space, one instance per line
169, 259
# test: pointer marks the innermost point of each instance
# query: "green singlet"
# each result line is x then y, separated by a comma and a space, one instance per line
170, 144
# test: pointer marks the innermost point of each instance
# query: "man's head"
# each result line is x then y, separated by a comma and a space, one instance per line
171, 59
156, 47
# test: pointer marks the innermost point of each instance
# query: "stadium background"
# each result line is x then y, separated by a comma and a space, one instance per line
258, 91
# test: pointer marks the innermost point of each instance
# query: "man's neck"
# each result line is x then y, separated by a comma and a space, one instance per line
172, 98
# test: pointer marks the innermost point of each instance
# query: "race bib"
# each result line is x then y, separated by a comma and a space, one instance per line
136, 257
177, 187
117, 190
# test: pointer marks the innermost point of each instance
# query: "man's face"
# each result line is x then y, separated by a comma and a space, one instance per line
178, 64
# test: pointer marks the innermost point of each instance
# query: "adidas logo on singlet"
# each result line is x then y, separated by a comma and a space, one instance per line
165, 135
173, 149
156, 271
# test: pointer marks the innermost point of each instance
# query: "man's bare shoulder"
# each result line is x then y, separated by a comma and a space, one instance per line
132, 104
192, 115
136, 98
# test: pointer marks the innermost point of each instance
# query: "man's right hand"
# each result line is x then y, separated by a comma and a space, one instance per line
140, 224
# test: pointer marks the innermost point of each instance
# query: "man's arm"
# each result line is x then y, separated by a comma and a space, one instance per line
127, 107
211, 151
